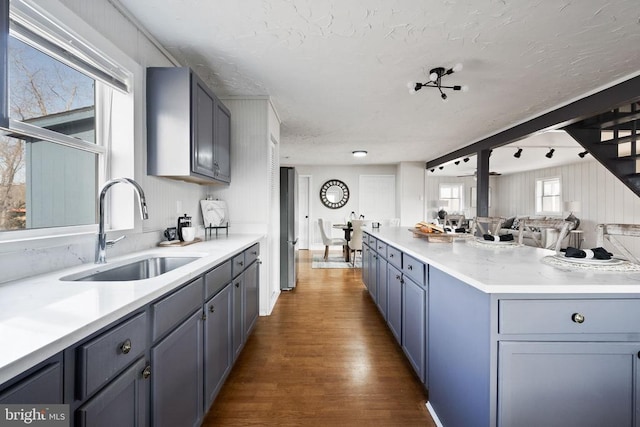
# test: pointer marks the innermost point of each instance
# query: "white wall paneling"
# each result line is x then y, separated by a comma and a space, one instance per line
377, 197
410, 192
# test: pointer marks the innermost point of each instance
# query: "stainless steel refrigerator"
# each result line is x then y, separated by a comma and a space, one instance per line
288, 228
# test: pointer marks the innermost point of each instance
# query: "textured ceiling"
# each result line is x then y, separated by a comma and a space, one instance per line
337, 70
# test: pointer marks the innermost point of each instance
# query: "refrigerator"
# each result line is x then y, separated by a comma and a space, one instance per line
288, 228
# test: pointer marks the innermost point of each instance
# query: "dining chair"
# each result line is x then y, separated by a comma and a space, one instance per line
492, 224
329, 241
355, 243
532, 226
610, 231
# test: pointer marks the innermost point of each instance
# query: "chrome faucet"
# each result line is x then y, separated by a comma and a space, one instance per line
103, 243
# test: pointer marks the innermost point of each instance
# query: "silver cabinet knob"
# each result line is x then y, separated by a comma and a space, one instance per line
146, 372
125, 348
577, 318
212, 308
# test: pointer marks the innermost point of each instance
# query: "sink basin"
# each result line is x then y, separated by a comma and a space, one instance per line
136, 270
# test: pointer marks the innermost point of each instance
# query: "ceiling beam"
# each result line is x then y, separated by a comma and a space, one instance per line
614, 97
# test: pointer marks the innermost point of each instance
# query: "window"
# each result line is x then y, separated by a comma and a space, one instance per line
548, 196
453, 195
65, 101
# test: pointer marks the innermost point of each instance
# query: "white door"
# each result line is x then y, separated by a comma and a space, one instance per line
304, 186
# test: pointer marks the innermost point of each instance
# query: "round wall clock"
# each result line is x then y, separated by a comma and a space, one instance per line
334, 194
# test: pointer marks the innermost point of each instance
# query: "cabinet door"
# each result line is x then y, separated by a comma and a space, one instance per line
44, 386
381, 281
250, 295
366, 252
202, 127
394, 301
238, 318
567, 384
414, 308
121, 403
217, 343
373, 275
222, 142
177, 380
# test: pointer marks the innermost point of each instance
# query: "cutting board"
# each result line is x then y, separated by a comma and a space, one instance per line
174, 243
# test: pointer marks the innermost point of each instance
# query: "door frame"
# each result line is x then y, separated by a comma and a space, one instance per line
304, 242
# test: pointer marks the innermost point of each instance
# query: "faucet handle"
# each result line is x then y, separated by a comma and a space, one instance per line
110, 243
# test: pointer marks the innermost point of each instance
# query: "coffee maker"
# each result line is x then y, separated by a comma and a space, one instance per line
183, 221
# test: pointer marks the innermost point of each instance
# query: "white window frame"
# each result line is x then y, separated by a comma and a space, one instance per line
539, 189
461, 200
54, 22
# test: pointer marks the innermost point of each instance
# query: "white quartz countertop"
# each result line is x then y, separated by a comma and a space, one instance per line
516, 269
42, 315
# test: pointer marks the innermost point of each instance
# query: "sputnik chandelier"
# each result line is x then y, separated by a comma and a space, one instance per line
435, 81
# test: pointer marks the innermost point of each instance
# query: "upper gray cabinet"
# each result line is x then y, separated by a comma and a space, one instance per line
188, 128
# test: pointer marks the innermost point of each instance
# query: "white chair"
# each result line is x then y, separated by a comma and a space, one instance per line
355, 243
610, 231
329, 241
486, 225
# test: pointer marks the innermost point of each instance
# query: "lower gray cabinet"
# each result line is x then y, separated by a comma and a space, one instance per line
381, 282
122, 403
42, 385
373, 274
250, 294
366, 259
177, 378
238, 317
414, 312
598, 382
394, 301
217, 343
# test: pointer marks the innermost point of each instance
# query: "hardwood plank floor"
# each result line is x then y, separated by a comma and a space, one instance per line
325, 357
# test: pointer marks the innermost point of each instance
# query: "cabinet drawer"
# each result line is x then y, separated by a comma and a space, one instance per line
569, 316
394, 256
251, 254
217, 279
413, 268
381, 248
169, 311
238, 264
103, 357
373, 242
365, 238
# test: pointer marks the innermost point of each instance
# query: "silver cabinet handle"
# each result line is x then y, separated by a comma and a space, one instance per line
577, 318
390, 255
125, 347
146, 372
410, 267
212, 308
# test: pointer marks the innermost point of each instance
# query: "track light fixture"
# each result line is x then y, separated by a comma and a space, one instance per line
550, 153
466, 159
457, 162
435, 81
584, 153
518, 153
433, 170
441, 167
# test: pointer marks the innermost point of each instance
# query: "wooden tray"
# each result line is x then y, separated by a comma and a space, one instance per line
433, 237
174, 243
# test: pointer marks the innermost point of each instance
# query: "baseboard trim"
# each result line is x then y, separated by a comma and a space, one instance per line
433, 414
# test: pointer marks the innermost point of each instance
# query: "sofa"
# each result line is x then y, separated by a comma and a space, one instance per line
547, 236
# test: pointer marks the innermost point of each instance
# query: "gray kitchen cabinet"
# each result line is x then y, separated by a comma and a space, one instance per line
414, 334
40, 385
121, 403
394, 301
194, 144
250, 298
381, 282
217, 343
177, 376
177, 357
238, 317
366, 259
598, 383
373, 274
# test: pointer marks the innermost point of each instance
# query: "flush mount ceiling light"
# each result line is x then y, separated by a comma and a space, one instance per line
518, 153
359, 153
550, 153
435, 81
584, 153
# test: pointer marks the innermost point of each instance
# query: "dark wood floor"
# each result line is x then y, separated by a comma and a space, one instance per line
323, 358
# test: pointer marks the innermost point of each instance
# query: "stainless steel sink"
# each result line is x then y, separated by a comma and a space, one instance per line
136, 270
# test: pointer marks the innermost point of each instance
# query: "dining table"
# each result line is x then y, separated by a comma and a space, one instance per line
347, 236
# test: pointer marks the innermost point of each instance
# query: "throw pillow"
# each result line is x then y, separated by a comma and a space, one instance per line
509, 222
